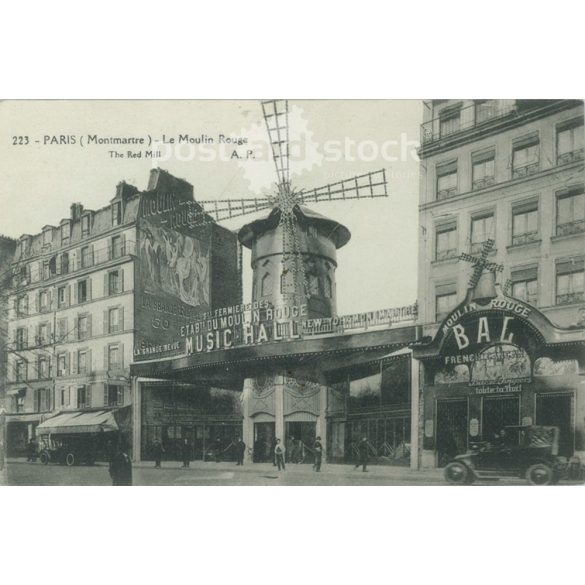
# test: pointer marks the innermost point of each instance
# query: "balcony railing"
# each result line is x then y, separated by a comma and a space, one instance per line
485, 182
446, 193
575, 297
469, 117
573, 227
99, 256
446, 254
525, 170
572, 156
526, 238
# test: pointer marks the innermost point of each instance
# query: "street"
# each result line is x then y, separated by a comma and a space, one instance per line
20, 472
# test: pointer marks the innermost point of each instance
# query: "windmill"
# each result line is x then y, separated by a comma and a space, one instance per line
286, 201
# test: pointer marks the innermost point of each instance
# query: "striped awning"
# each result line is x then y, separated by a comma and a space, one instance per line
79, 422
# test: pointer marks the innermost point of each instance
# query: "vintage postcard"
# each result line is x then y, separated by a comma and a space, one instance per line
292, 292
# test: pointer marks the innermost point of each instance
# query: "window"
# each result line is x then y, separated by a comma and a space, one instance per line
113, 357
44, 300
114, 395
61, 365
485, 110
82, 362
22, 306
82, 327
65, 233
571, 211
47, 236
82, 291
266, 285
116, 247
445, 300
570, 281
450, 121
113, 320
64, 396
446, 242
328, 287
19, 399
83, 396
52, 266
42, 400
20, 371
114, 282
447, 180
482, 229
43, 338
525, 284
65, 263
85, 257
570, 141
43, 368
21, 338
483, 169
525, 223
116, 213
85, 225
46, 269
525, 157
62, 332
313, 285
61, 296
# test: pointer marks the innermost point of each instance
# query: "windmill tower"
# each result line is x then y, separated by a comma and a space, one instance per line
318, 239
294, 261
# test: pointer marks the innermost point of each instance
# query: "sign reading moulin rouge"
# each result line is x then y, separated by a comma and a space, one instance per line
491, 343
260, 322
244, 324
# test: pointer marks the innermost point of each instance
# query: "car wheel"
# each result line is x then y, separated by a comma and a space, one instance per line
540, 474
70, 459
457, 473
44, 458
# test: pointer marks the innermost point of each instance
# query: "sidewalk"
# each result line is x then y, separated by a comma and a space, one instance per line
335, 469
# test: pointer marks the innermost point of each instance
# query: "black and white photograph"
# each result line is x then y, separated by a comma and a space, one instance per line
292, 292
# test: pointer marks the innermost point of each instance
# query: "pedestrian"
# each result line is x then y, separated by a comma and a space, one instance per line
31, 450
363, 454
240, 451
1, 455
186, 452
157, 451
218, 450
318, 449
272, 450
121, 467
279, 451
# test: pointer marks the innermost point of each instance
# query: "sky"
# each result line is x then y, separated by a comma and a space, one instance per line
331, 140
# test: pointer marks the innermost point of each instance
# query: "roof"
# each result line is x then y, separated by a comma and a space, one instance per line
331, 228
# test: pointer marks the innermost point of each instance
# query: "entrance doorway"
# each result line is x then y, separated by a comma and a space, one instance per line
497, 413
556, 410
300, 435
264, 437
451, 429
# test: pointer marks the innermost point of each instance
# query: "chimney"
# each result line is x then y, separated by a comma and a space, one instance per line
125, 191
76, 211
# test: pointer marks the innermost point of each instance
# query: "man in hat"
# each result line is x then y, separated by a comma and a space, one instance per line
318, 449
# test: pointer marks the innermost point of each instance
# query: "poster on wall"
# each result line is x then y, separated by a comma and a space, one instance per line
173, 280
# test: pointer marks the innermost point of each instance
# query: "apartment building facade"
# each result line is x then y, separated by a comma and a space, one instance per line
511, 173
103, 289
70, 318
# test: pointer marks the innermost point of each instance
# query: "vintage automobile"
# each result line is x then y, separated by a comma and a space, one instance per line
68, 451
521, 451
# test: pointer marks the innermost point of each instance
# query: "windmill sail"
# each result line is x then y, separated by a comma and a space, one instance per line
276, 118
